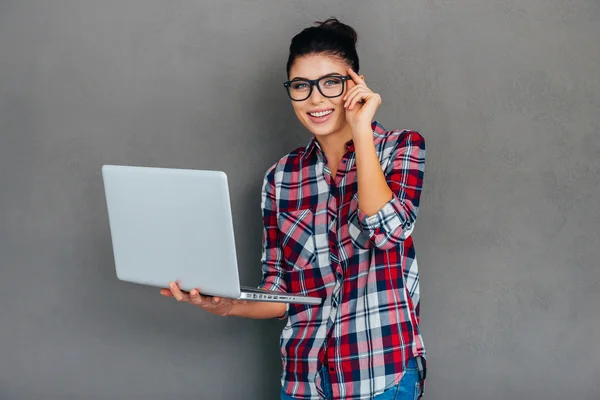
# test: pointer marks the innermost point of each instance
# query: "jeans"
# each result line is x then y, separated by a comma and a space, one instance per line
407, 389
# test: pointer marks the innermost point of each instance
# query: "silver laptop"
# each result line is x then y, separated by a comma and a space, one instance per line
176, 225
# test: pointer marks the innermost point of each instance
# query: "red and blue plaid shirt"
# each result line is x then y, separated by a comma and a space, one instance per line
318, 242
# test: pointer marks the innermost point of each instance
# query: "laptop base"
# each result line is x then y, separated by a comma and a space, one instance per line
255, 294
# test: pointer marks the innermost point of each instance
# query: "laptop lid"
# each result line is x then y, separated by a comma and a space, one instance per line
171, 224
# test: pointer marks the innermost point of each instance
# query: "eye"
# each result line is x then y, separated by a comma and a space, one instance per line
299, 85
333, 81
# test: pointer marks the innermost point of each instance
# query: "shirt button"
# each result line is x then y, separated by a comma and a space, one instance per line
331, 369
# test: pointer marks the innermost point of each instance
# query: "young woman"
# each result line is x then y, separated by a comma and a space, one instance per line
338, 216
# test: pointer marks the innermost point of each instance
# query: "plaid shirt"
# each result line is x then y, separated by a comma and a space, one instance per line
317, 242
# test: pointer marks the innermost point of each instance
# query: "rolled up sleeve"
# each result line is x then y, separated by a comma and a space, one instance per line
395, 221
272, 257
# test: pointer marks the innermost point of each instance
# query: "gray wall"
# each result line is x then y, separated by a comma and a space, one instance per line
506, 93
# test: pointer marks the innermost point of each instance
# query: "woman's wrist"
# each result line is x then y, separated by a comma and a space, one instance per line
362, 135
258, 310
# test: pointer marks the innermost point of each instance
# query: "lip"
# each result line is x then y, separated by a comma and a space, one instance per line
321, 120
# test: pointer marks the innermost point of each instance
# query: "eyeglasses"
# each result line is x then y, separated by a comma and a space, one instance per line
329, 86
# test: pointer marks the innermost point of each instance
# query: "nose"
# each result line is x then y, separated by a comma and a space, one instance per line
316, 97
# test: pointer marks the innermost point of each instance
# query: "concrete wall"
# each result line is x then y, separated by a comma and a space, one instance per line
506, 94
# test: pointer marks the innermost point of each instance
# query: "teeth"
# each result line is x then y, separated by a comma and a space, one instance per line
321, 114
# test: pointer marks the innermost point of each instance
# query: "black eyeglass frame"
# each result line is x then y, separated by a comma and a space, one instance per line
315, 82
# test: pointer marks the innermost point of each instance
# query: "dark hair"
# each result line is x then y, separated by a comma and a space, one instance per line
329, 37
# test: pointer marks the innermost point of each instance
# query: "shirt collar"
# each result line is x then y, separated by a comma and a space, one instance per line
311, 148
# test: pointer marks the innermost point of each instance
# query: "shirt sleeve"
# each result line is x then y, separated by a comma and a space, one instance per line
272, 256
394, 222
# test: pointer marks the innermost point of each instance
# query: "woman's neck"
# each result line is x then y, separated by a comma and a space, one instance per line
334, 144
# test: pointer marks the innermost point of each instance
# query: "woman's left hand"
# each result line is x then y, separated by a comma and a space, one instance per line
361, 103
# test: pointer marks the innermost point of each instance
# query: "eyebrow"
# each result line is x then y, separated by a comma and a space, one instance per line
306, 79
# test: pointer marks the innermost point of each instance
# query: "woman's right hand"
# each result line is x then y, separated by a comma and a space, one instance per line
216, 305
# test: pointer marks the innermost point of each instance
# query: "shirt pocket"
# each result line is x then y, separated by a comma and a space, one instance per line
357, 236
297, 237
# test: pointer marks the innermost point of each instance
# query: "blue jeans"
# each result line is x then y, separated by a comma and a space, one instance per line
407, 389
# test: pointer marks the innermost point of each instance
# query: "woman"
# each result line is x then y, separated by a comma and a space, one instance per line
338, 216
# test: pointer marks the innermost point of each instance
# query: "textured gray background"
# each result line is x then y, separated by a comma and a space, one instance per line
506, 93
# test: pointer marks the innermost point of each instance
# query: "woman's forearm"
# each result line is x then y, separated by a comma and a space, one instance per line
258, 310
373, 190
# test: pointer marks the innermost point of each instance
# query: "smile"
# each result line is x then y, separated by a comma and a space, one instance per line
320, 113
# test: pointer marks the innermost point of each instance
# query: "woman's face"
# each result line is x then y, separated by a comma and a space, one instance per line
331, 117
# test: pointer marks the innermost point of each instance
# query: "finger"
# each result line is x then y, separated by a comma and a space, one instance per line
166, 292
356, 97
200, 299
177, 293
349, 86
351, 96
351, 91
216, 300
360, 100
355, 77
195, 297
206, 301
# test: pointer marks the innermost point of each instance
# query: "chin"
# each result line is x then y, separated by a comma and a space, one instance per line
325, 129
321, 132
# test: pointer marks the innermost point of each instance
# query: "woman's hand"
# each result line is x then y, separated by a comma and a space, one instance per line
361, 104
213, 304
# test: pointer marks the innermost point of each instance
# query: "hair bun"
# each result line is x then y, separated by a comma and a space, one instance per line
330, 38
333, 24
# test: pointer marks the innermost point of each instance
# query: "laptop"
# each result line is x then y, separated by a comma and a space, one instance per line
176, 225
